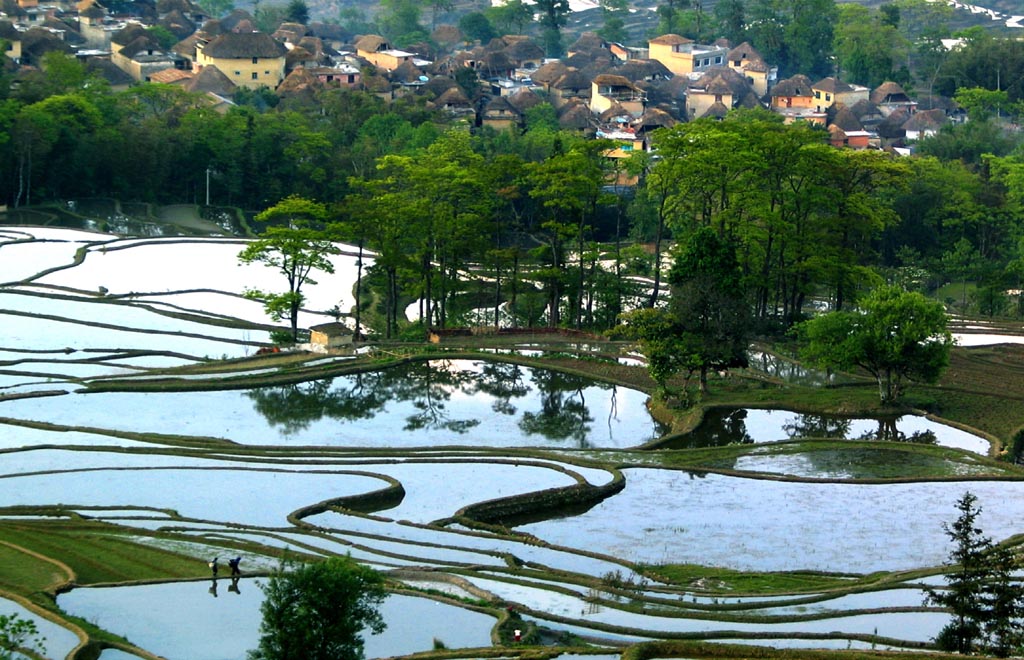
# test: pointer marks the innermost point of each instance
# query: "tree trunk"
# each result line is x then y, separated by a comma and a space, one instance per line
359, 287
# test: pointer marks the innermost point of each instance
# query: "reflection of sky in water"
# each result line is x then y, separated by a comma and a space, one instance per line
26, 332
167, 265
256, 496
19, 261
913, 626
129, 317
226, 626
372, 410
670, 517
245, 497
59, 641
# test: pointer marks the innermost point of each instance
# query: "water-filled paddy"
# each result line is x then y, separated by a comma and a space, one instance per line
751, 425
458, 402
223, 622
668, 516
661, 516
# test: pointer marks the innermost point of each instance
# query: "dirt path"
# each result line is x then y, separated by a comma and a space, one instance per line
187, 215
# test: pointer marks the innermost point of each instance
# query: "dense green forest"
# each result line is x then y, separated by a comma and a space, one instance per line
465, 218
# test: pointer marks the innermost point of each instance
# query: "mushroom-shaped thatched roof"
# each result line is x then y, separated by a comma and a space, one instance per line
523, 99
889, 92
128, 34
549, 72
236, 17
299, 82
798, 85
587, 42
406, 73
178, 24
670, 40
745, 54
211, 79
616, 111
297, 56
576, 115
891, 128
499, 105
438, 85
243, 46
925, 120
523, 50
845, 119
718, 110
637, 70
453, 98
572, 80
654, 118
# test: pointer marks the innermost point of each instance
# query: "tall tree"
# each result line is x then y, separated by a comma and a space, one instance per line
895, 336
980, 592
297, 250
511, 16
553, 16
709, 304
318, 611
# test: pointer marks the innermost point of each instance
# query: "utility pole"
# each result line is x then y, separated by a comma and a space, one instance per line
207, 186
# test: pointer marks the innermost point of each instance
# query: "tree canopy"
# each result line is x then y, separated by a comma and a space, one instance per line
297, 249
319, 611
894, 335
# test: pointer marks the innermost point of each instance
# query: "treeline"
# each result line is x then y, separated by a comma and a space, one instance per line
534, 222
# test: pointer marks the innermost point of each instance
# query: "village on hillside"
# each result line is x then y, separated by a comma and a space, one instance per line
600, 88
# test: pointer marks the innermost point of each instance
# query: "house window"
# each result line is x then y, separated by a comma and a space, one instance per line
707, 61
255, 60
351, 78
238, 73
255, 76
828, 97
627, 147
718, 59
817, 95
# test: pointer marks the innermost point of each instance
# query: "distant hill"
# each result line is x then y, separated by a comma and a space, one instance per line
642, 20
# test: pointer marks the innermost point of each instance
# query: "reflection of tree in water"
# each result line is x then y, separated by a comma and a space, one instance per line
816, 426
429, 389
362, 396
560, 417
295, 407
503, 382
888, 431
718, 429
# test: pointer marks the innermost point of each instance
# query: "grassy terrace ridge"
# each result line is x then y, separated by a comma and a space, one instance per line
982, 392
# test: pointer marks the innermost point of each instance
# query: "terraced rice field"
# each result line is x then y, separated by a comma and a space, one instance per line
141, 438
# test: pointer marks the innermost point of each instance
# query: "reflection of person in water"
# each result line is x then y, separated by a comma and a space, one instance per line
234, 586
213, 588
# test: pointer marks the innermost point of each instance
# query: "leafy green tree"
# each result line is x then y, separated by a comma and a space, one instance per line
296, 250
477, 27
163, 36
217, 8
894, 335
730, 20
511, 16
867, 47
660, 341
986, 603
614, 26
19, 634
297, 12
318, 611
708, 303
399, 20
670, 16
554, 14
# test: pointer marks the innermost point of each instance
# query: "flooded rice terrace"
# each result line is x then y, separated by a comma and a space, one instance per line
439, 443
